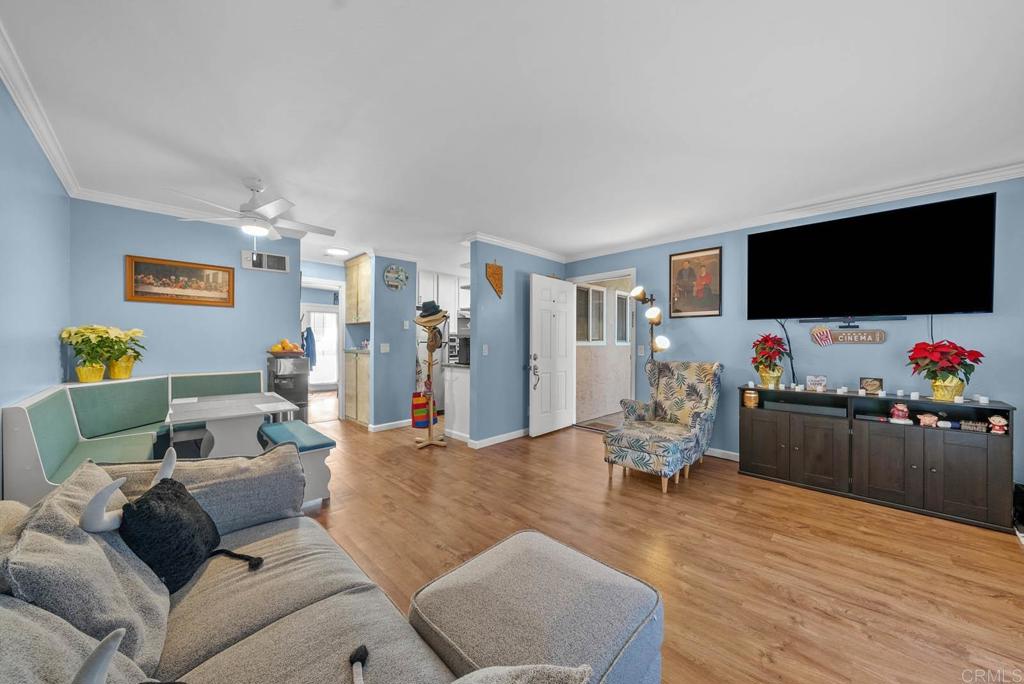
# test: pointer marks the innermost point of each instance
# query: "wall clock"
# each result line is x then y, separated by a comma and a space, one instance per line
395, 277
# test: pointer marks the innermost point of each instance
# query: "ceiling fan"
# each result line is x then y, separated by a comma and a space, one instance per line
258, 218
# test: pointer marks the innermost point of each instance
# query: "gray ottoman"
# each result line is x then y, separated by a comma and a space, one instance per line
532, 600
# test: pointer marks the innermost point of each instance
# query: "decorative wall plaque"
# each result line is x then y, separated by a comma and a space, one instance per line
824, 336
496, 277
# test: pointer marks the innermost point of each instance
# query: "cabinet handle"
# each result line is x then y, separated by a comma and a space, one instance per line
913, 466
933, 470
796, 448
782, 446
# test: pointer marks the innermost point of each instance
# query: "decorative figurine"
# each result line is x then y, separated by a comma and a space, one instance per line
998, 424
928, 419
899, 411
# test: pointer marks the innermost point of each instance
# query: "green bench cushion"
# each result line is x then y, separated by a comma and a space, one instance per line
106, 409
212, 384
304, 437
159, 429
53, 425
125, 449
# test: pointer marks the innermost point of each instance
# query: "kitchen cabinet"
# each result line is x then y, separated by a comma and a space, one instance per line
456, 413
426, 286
764, 443
357, 386
358, 289
464, 294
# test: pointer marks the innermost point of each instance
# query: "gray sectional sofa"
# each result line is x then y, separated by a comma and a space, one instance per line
296, 619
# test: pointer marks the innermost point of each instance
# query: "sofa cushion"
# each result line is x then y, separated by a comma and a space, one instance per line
668, 440
212, 384
106, 408
528, 674
11, 515
564, 608
225, 602
93, 581
237, 492
54, 429
39, 647
126, 449
312, 645
304, 437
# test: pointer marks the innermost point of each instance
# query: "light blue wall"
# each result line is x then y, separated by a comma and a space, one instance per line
178, 337
312, 295
394, 373
35, 245
315, 269
499, 392
728, 338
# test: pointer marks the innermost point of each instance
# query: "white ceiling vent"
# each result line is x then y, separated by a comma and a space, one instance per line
262, 261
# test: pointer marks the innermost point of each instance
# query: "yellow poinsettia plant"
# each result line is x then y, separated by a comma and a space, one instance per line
99, 344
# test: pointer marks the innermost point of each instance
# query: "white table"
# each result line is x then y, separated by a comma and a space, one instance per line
232, 420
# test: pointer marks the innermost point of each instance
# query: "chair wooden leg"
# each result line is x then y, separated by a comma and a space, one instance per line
625, 471
702, 458
664, 485
611, 469
676, 477
686, 472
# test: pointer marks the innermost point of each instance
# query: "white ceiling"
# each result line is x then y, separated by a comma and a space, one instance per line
576, 126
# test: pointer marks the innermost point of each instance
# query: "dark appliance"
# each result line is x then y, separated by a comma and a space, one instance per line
881, 264
464, 350
289, 377
453, 348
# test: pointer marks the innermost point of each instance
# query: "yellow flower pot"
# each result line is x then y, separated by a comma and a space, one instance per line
948, 389
122, 368
90, 373
768, 376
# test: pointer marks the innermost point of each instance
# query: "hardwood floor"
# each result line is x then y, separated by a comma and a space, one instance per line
761, 581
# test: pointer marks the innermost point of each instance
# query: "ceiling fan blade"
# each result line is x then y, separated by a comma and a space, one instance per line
289, 233
304, 227
274, 208
231, 211
212, 218
273, 234
222, 220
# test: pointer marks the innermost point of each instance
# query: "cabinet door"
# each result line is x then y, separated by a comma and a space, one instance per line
764, 442
426, 287
448, 293
820, 451
363, 388
351, 295
364, 275
351, 385
464, 293
888, 462
956, 477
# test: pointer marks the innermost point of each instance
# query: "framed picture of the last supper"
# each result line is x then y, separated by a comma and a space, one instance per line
695, 283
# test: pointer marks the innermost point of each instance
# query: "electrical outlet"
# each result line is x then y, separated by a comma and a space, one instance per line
484, 350
385, 347
639, 351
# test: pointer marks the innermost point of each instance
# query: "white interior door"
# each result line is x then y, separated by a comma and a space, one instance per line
552, 364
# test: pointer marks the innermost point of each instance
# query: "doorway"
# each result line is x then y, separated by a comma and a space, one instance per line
605, 347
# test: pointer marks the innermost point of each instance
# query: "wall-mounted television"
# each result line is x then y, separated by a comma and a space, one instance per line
930, 259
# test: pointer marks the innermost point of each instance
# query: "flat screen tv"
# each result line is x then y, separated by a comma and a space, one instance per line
930, 259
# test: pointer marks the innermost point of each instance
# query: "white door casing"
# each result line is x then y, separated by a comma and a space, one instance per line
552, 363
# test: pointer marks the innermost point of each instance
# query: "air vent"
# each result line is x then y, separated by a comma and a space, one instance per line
262, 261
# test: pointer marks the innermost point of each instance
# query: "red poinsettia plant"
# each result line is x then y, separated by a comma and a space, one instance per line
943, 359
768, 349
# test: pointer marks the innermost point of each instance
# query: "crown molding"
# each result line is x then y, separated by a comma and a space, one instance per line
14, 76
138, 204
902, 192
517, 246
389, 254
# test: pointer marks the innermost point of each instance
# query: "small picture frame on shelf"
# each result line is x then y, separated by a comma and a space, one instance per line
816, 381
872, 385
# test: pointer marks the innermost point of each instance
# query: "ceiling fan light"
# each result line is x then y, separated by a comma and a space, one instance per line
255, 230
336, 251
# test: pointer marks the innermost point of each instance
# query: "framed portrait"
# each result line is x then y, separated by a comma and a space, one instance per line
162, 281
695, 283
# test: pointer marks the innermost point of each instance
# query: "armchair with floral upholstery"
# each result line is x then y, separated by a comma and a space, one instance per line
673, 431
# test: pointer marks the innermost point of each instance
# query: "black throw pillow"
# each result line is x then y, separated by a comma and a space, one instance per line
168, 529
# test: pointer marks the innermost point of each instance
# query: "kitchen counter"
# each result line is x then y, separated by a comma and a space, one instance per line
455, 364
357, 351
456, 401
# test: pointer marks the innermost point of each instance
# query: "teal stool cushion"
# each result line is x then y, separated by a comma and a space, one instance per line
304, 437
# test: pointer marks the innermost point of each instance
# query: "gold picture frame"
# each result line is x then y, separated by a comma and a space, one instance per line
695, 283
165, 281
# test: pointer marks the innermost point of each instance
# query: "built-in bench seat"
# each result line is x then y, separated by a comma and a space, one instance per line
313, 446
48, 435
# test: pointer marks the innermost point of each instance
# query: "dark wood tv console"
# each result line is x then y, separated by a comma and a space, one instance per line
816, 440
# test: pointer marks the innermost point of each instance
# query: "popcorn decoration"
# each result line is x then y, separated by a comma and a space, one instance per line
821, 335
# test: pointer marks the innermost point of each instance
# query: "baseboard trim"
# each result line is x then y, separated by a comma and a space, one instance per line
497, 439
723, 454
389, 426
461, 436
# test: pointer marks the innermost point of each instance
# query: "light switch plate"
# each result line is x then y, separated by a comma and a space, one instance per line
640, 351
385, 347
485, 349
405, 325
